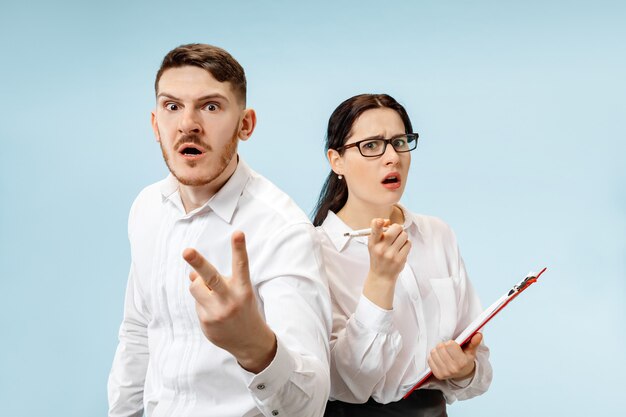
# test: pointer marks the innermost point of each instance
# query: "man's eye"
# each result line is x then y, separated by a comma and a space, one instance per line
211, 107
171, 106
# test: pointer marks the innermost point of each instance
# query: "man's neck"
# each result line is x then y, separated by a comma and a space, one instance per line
193, 197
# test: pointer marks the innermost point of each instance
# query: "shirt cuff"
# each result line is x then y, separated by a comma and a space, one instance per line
373, 317
464, 382
271, 379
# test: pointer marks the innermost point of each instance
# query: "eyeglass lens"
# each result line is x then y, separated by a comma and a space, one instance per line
376, 147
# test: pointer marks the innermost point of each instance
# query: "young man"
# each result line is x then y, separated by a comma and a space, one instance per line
249, 335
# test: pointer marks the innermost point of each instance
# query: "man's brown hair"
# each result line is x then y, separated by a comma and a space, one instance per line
219, 63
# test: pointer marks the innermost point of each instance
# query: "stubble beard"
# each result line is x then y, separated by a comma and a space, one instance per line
226, 155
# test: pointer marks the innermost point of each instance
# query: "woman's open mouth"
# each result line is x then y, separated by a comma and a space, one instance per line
392, 181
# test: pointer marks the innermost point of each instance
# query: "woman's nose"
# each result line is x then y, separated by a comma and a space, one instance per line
390, 156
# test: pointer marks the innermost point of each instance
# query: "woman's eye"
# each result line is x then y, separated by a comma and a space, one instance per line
399, 143
370, 145
171, 106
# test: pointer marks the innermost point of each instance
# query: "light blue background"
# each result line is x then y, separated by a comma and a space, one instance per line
521, 111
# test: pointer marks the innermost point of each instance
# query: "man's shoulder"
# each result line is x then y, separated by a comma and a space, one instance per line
271, 202
145, 207
151, 194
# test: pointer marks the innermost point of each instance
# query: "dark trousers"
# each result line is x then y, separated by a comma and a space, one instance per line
421, 403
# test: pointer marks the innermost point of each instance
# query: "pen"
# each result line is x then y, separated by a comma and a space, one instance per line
366, 232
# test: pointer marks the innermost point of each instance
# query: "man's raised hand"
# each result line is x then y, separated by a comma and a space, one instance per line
227, 308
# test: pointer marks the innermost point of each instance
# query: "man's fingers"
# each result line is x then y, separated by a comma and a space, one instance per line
193, 275
241, 270
205, 270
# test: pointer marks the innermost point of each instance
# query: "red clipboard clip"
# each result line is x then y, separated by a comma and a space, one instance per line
525, 283
475, 326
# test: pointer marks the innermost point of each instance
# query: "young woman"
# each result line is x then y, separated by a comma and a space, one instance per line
400, 294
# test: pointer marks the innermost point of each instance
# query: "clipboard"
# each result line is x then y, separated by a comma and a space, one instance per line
480, 321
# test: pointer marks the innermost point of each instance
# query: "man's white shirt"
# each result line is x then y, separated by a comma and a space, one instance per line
164, 364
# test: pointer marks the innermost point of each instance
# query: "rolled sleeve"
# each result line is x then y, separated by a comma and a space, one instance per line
481, 380
373, 317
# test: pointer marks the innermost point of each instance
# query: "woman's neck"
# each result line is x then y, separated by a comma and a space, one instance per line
359, 216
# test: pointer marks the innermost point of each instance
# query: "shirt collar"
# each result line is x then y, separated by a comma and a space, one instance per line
335, 228
224, 202
168, 186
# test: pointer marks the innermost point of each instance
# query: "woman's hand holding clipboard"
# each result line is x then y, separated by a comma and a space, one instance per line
480, 321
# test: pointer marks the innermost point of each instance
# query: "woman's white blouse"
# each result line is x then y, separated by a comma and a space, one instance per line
379, 353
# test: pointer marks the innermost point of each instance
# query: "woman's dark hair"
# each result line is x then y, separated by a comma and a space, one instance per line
334, 192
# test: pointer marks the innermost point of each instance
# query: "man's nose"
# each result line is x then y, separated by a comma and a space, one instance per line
190, 122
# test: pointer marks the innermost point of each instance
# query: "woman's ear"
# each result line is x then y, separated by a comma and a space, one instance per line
335, 160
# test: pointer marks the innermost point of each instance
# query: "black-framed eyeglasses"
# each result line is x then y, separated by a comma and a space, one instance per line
373, 147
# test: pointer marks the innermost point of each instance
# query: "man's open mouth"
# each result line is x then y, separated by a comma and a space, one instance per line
190, 150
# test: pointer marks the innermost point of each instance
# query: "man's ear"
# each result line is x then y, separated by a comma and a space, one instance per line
247, 125
335, 160
155, 126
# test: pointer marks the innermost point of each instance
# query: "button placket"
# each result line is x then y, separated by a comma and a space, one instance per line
410, 283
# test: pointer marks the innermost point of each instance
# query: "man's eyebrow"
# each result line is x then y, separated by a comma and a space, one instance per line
212, 96
165, 95
202, 98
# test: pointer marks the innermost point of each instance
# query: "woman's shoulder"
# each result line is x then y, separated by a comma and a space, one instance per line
427, 220
431, 226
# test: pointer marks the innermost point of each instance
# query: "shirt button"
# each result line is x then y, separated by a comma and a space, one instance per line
260, 386
274, 412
